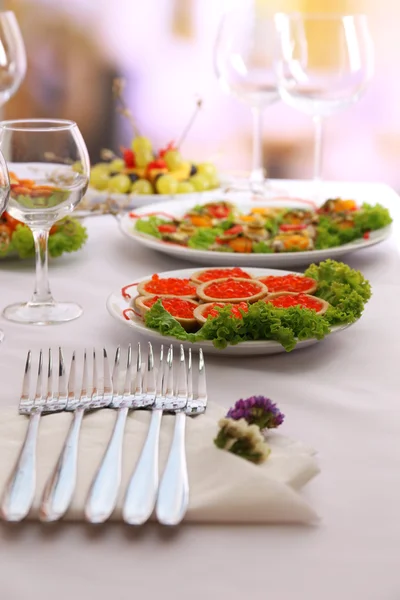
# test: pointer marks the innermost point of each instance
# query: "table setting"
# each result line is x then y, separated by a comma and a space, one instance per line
213, 384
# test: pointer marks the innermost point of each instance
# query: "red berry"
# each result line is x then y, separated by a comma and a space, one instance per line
170, 146
129, 158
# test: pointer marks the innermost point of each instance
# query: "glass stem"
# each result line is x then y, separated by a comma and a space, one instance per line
318, 148
42, 293
257, 174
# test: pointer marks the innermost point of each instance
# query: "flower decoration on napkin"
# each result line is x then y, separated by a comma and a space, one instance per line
241, 431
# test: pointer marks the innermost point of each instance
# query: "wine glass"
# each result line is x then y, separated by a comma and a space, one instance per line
49, 173
324, 64
243, 57
12, 56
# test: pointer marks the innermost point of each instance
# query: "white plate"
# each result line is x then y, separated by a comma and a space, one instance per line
130, 201
116, 304
372, 193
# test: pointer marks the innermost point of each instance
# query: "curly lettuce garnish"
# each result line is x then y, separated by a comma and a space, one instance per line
69, 236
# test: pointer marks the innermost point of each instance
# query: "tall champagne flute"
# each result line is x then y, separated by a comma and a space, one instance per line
243, 56
4, 195
49, 171
324, 64
12, 56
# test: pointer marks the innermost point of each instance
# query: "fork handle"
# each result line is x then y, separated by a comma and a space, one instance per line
60, 487
173, 495
20, 489
103, 493
141, 494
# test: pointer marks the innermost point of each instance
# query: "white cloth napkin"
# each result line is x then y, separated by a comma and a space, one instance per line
223, 487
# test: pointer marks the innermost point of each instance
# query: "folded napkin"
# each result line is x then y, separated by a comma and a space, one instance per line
224, 488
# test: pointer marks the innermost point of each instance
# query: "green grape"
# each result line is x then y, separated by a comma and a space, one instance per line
120, 184
199, 182
141, 144
143, 158
166, 184
173, 159
207, 169
185, 187
212, 181
142, 186
99, 178
77, 167
117, 165
104, 166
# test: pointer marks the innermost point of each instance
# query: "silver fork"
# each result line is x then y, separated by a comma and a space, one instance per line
173, 494
60, 487
20, 488
103, 493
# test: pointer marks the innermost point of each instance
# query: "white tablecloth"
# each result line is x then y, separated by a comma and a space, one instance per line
340, 396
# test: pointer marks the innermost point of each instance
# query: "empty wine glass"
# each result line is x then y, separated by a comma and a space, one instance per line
12, 56
324, 64
49, 173
243, 56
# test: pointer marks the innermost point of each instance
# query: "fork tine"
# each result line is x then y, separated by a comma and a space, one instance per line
50, 378
150, 382
85, 377
108, 384
139, 378
95, 389
190, 376
160, 375
115, 373
182, 388
27, 378
169, 379
62, 375
71, 383
128, 375
201, 385
39, 381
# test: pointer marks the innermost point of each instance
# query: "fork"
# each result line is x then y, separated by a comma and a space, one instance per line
103, 493
61, 484
20, 488
173, 492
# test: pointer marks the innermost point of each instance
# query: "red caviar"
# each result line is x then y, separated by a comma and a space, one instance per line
286, 301
232, 288
177, 307
212, 274
288, 283
171, 286
235, 309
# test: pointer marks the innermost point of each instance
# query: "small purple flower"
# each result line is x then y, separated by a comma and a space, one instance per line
257, 410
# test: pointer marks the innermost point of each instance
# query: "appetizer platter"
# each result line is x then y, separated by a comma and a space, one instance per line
241, 312
141, 174
274, 233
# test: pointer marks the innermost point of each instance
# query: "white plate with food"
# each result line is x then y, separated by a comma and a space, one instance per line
185, 307
279, 232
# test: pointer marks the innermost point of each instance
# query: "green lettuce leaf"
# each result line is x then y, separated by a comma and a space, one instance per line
150, 226
262, 248
370, 218
204, 237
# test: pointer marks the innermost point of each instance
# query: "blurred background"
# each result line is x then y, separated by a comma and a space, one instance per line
164, 50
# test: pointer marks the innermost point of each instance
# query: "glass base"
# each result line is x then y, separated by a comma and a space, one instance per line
43, 314
261, 189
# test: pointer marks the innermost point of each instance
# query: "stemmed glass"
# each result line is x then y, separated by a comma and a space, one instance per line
12, 56
49, 172
324, 64
243, 57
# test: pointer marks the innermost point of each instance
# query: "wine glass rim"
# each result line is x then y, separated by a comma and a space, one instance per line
321, 16
37, 125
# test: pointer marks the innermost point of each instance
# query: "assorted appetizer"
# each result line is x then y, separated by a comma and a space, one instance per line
142, 170
231, 310
16, 239
221, 227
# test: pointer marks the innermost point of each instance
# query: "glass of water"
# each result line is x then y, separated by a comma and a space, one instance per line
244, 63
49, 173
324, 64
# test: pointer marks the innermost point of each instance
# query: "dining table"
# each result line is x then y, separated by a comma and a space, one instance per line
341, 396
